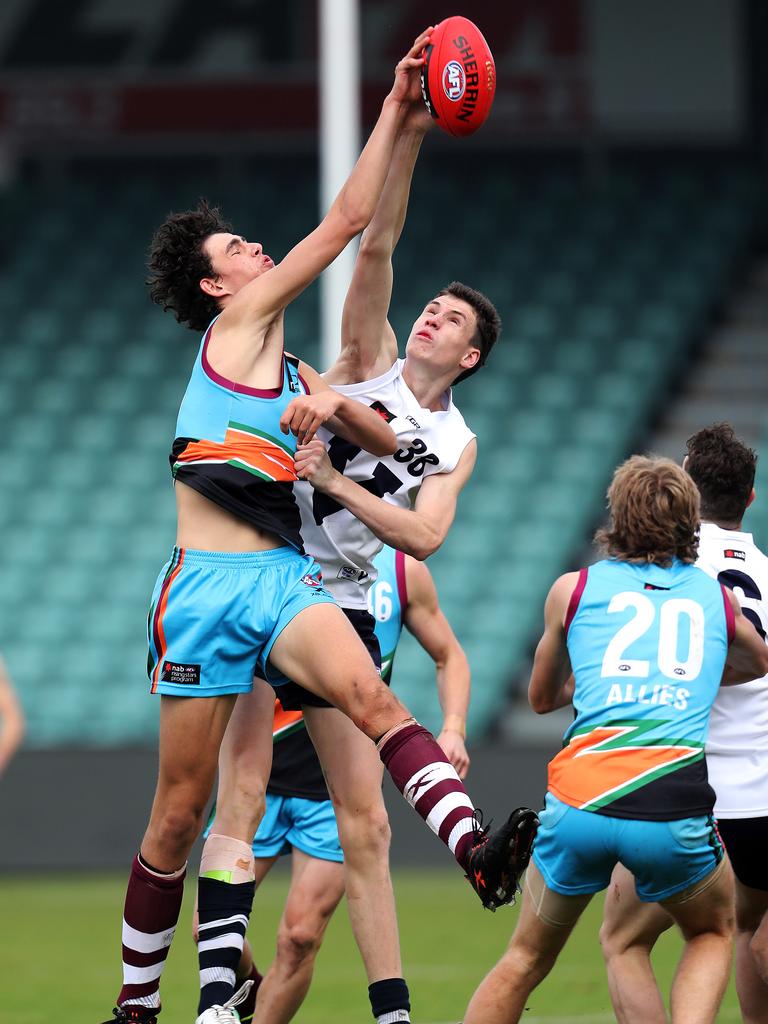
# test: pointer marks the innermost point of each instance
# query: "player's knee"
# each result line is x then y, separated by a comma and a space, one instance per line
177, 824
373, 707
529, 962
299, 942
366, 832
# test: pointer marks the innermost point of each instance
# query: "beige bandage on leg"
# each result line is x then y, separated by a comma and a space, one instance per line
549, 906
227, 860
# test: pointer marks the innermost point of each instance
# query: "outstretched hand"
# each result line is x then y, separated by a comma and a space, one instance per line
407, 85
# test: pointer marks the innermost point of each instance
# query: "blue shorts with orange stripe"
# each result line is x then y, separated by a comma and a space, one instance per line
215, 616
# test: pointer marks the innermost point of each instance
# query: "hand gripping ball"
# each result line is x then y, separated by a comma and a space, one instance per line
459, 78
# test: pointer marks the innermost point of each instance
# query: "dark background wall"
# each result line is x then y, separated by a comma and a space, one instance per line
86, 809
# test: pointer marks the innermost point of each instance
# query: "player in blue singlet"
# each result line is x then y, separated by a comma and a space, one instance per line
299, 816
639, 643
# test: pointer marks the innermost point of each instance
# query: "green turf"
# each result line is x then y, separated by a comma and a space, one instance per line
60, 955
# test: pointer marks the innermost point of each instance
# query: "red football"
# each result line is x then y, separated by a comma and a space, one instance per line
459, 78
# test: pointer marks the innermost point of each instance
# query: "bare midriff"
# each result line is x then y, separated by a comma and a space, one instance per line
204, 526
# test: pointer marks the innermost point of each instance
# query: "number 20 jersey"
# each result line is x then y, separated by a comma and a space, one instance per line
647, 647
430, 442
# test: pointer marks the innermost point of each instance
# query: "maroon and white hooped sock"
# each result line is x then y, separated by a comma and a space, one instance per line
152, 907
429, 783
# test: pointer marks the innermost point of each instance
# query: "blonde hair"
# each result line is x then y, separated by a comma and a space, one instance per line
654, 513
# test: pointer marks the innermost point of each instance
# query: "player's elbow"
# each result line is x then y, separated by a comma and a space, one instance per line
387, 446
541, 703
422, 547
375, 246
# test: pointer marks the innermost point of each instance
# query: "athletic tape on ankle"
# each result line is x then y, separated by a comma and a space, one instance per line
227, 860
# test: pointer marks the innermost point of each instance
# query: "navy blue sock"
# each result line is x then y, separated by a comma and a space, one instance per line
390, 1001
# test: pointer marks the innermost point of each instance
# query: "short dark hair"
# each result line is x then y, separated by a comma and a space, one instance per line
723, 468
488, 322
177, 263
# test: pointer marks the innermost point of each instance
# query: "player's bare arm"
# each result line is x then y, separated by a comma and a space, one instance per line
368, 343
419, 531
351, 420
551, 681
11, 719
249, 311
425, 619
748, 653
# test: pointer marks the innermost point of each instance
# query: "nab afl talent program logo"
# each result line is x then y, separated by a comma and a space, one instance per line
454, 80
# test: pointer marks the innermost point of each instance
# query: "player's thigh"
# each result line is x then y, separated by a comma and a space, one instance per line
245, 759
320, 650
351, 763
546, 919
746, 840
191, 732
707, 905
316, 889
627, 921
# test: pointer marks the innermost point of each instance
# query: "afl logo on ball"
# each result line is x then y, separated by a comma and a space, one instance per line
454, 81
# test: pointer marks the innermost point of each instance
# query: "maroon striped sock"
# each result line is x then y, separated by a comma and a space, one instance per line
152, 906
429, 783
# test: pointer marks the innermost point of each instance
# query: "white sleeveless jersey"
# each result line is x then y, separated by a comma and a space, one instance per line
737, 744
430, 442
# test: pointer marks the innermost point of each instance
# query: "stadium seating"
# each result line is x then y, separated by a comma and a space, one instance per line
602, 287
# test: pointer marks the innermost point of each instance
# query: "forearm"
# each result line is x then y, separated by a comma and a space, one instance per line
386, 227
360, 195
453, 686
359, 424
403, 529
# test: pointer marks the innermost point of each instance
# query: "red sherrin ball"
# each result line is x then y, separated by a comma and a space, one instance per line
459, 77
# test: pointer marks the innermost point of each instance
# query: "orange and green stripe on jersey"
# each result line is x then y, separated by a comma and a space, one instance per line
286, 722
246, 448
605, 763
156, 617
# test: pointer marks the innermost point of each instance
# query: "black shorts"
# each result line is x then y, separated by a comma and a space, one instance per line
292, 696
746, 842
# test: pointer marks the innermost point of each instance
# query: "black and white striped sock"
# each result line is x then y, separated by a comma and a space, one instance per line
224, 909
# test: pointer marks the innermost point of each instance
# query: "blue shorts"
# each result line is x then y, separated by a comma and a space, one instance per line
576, 851
215, 616
308, 825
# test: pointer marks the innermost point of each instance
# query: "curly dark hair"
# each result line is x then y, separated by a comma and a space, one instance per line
654, 509
177, 264
723, 468
488, 322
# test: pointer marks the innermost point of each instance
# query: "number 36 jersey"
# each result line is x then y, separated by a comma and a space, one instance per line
647, 647
430, 442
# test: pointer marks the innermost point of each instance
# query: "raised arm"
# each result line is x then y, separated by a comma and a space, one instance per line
550, 686
419, 531
748, 653
425, 619
368, 343
257, 303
